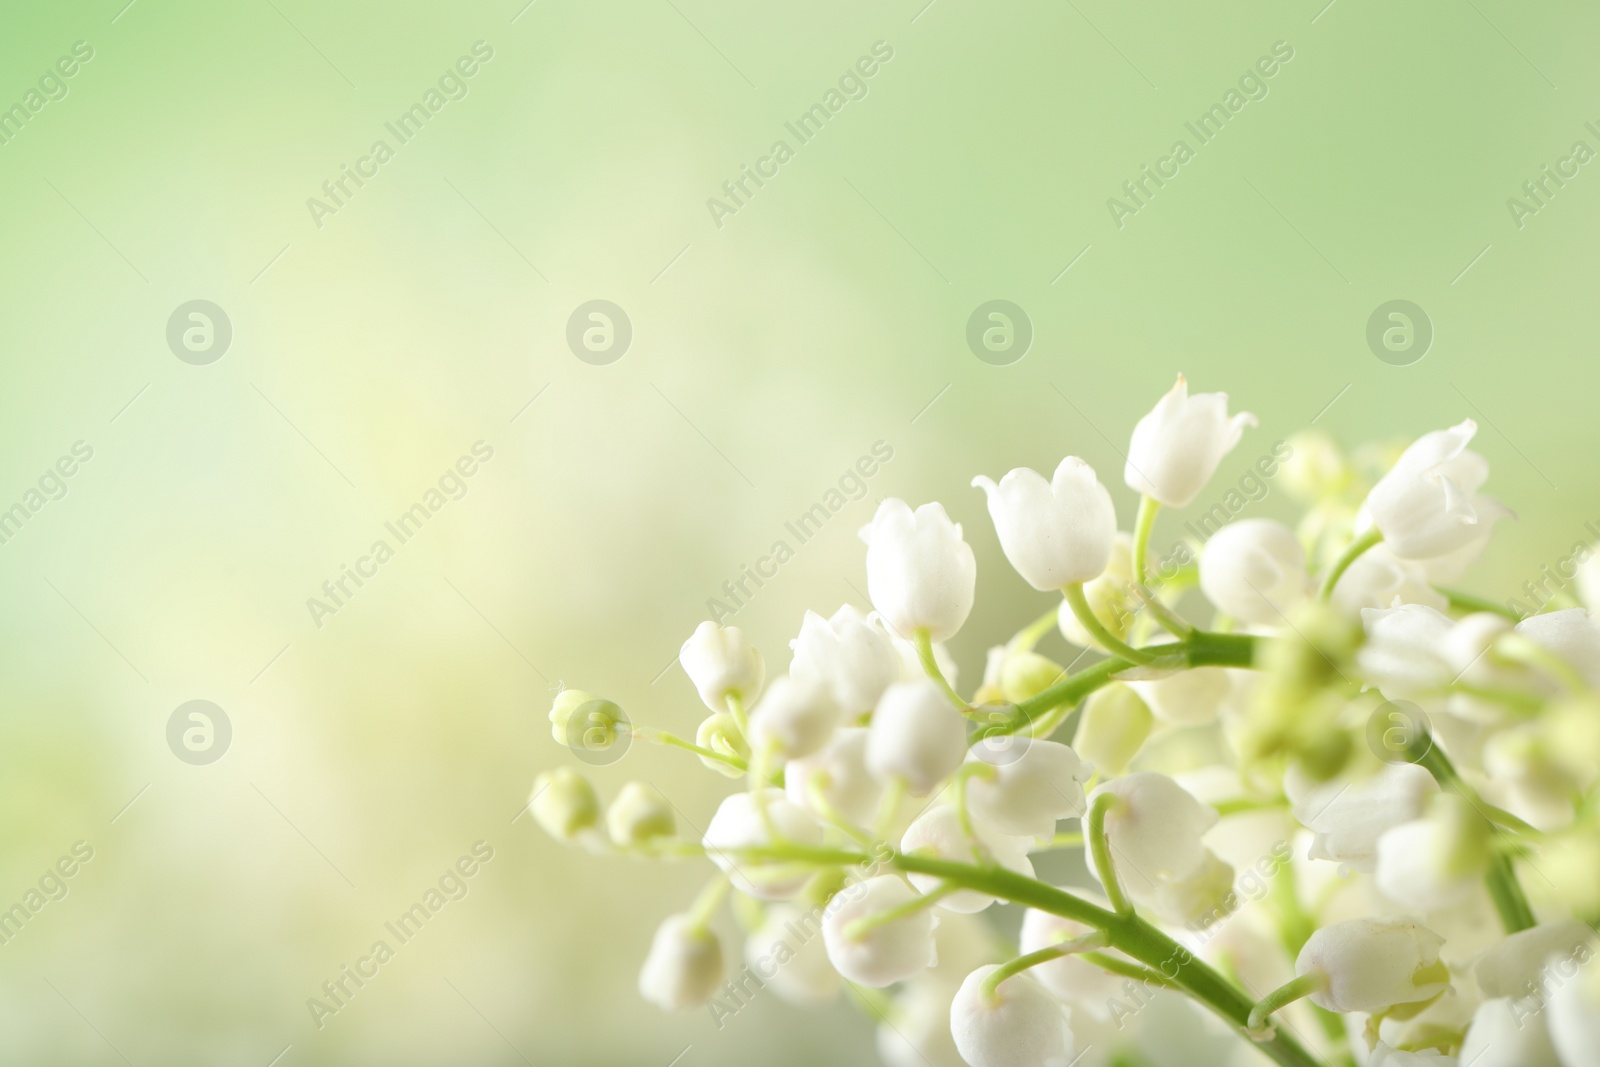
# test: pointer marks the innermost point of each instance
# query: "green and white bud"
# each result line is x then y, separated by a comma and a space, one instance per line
1113, 726
639, 814
720, 733
564, 803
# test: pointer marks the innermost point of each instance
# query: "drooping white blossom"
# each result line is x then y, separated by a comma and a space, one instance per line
740, 823
1508, 1033
1255, 570
786, 952
795, 717
1348, 817
720, 661
938, 833
1176, 448
1075, 980
1428, 504
1514, 966
1572, 1013
849, 653
1380, 579
916, 736
1374, 964
1056, 532
1031, 784
1572, 635
1020, 1025
839, 774
888, 952
639, 814
683, 966
1154, 829
920, 574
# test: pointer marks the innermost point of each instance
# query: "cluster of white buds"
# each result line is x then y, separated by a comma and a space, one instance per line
1299, 761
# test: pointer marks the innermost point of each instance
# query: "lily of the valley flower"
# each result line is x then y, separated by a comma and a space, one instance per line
920, 574
795, 717
741, 823
1515, 966
916, 736
1505, 1033
721, 663
850, 654
1255, 570
1055, 532
787, 948
564, 804
683, 966
1176, 448
639, 814
836, 779
886, 952
1428, 504
938, 832
1154, 830
1349, 817
1030, 784
1371, 965
1438, 860
1573, 1015
1016, 1025
1073, 979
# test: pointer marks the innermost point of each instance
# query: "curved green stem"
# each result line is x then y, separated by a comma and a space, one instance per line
859, 928
1469, 602
991, 984
1286, 994
1097, 629
930, 667
1100, 848
661, 737
1342, 564
1143, 526
735, 704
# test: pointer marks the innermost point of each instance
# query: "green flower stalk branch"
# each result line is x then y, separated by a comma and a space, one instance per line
886, 810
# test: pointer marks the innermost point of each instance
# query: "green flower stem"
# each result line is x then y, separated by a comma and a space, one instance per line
1201, 649
736, 709
1509, 900
1100, 848
1066, 841
1469, 602
1170, 620
1295, 927
707, 903
1518, 648
1026, 638
1089, 943
1241, 805
1143, 526
1351, 554
661, 737
860, 928
1097, 629
930, 666
1286, 994
1117, 966
815, 786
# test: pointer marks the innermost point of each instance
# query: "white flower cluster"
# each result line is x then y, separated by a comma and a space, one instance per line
1354, 786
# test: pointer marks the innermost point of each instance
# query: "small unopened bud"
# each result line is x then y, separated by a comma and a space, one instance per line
564, 803
1027, 674
720, 733
567, 702
1112, 728
639, 814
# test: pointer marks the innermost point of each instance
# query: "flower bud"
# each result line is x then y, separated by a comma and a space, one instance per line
1110, 597
1372, 965
920, 574
721, 662
683, 967
839, 773
1025, 675
786, 953
1176, 448
1380, 579
639, 814
887, 952
1515, 965
855, 658
1428, 504
795, 717
916, 736
1349, 817
1507, 1033
1154, 830
1054, 533
720, 733
1404, 651
1031, 783
567, 702
937, 832
1196, 901
1073, 979
1255, 570
1020, 1025
738, 824
1438, 860
564, 803
1112, 727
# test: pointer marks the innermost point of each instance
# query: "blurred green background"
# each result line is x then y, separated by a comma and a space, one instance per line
768, 353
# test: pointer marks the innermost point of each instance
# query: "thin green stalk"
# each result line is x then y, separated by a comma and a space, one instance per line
991, 984
1097, 629
1286, 994
1143, 526
1469, 602
930, 667
1351, 554
1100, 848
661, 737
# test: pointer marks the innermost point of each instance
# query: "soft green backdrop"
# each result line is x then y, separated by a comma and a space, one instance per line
827, 314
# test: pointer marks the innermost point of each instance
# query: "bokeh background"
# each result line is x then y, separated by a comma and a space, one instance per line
827, 313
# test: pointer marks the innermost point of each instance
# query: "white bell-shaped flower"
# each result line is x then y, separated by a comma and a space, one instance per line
850, 654
1380, 579
1572, 1012
738, 824
1514, 966
639, 814
1428, 504
1155, 829
1072, 978
1533, 776
920, 574
1349, 817
1176, 448
1110, 597
564, 804
887, 952
1031, 784
916, 736
839, 774
1437, 861
1113, 725
786, 952
1508, 1033
1255, 570
1020, 1025
1570, 634
1404, 652
721, 733
1203, 897
1055, 532
683, 966
721, 662
1374, 964
1383, 1055
937, 832
795, 717
1190, 697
